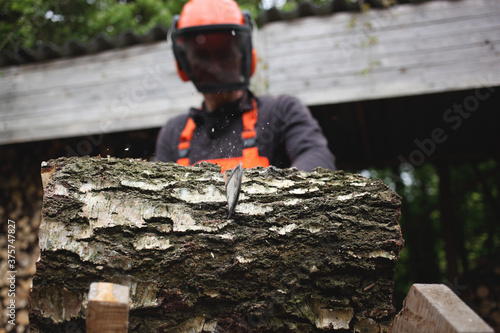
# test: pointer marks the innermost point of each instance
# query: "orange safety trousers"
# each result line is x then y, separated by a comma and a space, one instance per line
250, 157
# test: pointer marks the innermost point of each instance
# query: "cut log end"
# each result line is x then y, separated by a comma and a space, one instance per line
435, 309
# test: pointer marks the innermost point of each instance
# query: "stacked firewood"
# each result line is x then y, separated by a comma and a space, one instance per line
21, 201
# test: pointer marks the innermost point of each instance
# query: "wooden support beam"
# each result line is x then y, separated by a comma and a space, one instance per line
108, 308
434, 308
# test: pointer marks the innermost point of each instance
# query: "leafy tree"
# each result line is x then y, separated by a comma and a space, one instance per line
28, 23
474, 234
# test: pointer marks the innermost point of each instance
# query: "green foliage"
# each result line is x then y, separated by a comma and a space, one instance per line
475, 210
28, 23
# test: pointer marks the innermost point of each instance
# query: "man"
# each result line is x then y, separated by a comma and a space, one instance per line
213, 48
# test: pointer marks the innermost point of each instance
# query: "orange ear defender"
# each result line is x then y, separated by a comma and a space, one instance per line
254, 61
182, 74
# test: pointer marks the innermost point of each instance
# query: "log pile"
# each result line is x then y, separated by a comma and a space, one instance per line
20, 202
305, 252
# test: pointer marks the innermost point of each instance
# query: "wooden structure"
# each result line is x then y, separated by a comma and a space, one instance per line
303, 251
405, 50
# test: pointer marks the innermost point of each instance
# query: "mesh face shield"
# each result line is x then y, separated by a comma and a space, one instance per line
216, 58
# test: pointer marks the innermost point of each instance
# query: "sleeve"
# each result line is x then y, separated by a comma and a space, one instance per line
168, 139
305, 143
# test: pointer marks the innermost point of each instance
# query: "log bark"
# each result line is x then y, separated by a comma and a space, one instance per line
304, 252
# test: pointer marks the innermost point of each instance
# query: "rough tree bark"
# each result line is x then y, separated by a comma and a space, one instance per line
304, 252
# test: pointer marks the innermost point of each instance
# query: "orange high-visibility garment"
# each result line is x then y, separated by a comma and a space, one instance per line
250, 157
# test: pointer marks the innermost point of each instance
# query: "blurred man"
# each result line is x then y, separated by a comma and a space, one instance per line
212, 44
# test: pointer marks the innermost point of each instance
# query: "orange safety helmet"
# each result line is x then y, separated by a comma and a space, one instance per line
214, 36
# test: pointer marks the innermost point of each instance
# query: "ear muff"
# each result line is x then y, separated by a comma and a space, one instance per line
182, 73
251, 25
254, 61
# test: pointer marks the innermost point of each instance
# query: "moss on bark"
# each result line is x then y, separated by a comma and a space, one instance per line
305, 252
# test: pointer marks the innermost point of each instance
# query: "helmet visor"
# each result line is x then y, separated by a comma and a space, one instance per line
215, 61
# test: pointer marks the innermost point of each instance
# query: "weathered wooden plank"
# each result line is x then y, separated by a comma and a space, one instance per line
103, 58
395, 35
392, 84
140, 77
436, 309
366, 62
476, 66
404, 42
388, 42
28, 107
113, 91
402, 47
108, 65
90, 95
147, 115
87, 98
403, 37
112, 96
146, 67
428, 13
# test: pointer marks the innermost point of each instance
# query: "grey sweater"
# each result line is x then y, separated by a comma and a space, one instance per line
287, 134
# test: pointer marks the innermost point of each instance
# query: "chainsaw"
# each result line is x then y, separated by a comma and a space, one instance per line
233, 187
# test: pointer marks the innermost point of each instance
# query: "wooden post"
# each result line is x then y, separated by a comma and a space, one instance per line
108, 308
434, 308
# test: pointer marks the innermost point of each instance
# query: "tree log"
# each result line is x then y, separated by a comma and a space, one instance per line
304, 252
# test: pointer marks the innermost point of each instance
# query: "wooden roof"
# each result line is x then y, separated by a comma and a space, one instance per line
405, 50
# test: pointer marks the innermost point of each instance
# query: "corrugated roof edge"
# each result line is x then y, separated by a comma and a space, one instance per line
102, 42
